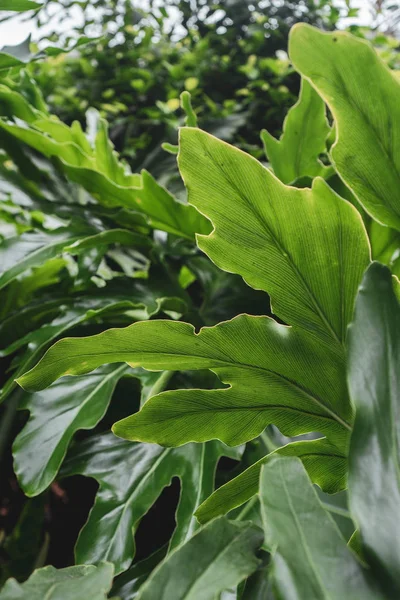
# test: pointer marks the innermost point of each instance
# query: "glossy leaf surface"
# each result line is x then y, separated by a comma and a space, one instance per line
216, 558
374, 382
305, 129
310, 557
131, 477
55, 415
364, 98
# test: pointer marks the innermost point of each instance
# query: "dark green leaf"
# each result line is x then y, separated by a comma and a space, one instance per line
216, 558
131, 478
56, 415
374, 381
310, 557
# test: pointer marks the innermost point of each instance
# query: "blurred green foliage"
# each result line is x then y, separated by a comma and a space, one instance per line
230, 55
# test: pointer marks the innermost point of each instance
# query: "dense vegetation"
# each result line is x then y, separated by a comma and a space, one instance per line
200, 393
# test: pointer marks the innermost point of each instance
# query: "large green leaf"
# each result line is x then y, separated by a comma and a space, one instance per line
325, 464
374, 382
306, 248
364, 98
87, 581
310, 557
276, 374
56, 414
131, 477
217, 558
296, 153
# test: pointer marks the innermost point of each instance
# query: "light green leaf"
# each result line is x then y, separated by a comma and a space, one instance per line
87, 581
305, 129
131, 477
18, 5
217, 558
374, 382
306, 248
364, 98
100, 172
325, 464
56, 415
310, 557
275, 374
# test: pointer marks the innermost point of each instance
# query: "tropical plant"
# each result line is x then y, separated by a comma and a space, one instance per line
195, 368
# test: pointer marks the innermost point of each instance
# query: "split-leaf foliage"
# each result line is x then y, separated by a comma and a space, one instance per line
295, 332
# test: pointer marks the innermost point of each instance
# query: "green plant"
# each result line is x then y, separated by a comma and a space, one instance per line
212, 380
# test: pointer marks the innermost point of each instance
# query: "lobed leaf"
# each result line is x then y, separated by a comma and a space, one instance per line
275, 374
306, 248
131, 477
363, 96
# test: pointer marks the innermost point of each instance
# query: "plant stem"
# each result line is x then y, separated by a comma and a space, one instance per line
7, 420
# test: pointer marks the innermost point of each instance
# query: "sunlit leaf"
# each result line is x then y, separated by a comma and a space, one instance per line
363, 96
296, 153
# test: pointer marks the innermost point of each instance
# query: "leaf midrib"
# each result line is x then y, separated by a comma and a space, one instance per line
283, 250
233, 365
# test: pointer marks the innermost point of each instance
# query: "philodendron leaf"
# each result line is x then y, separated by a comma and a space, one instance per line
306, 248
56, 414
364, 98
296, 153
86, 581
310, 557
131, 477
276, 374
325, 464
374, 383
216, 558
